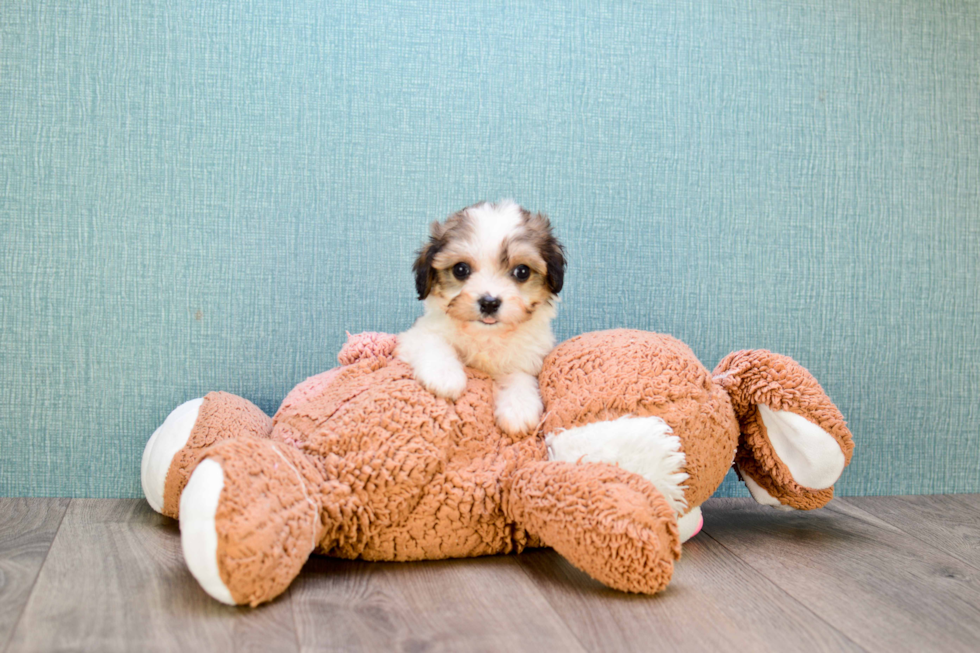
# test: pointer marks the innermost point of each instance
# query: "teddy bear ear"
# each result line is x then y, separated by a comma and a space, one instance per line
794, 443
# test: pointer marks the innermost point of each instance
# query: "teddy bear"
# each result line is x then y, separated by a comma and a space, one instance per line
362, 462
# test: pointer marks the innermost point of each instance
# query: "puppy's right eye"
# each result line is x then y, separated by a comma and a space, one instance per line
461, 271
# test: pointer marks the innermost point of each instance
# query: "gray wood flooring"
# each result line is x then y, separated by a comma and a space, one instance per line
871, 573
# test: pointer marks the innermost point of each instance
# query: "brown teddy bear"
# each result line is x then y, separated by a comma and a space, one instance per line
362, 462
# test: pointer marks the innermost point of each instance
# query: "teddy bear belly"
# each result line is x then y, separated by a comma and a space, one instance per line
459, 525
459, 513
447, 522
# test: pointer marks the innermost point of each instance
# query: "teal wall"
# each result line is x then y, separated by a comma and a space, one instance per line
199, 196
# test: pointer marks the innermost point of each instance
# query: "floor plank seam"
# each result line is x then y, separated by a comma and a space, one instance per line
292, 612
23, 608
915, 537
783, 591
554, 609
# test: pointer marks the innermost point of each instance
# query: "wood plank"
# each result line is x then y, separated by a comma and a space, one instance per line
27, 528
941, 521
884, 589
477, 604
714, 602
115, 580
969, 501
896, 573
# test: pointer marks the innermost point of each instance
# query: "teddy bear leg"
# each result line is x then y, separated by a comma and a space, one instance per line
611, 523
175, 447
250, 516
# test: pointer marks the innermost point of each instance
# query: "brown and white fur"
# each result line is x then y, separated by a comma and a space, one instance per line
489, 275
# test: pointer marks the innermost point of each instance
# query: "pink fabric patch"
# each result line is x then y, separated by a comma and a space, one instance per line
370, 344
309, 389
700, 526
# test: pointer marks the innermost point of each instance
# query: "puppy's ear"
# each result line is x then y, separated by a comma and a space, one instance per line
553, 254
425, 274
548, 247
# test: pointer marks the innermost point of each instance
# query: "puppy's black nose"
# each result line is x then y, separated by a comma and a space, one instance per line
489, 305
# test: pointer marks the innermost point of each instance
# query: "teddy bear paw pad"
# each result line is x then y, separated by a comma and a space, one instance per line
161, 448
198, 533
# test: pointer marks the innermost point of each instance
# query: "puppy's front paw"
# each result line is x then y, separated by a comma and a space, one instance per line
446, 379
518, 412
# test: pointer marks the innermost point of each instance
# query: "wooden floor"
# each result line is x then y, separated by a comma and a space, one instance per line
874, 574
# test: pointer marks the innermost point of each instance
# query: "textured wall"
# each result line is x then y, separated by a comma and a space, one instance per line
199, 196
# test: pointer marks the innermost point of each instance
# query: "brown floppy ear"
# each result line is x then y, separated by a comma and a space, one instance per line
554, 257
425, 274
550, 249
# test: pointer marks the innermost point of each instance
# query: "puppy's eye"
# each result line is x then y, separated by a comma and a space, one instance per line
461, 271
521, 273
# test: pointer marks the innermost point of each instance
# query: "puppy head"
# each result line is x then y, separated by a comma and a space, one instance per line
490, 265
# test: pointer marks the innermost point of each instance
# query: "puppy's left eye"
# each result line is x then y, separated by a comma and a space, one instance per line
521, 273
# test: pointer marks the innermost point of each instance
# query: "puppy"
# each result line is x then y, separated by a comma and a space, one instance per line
489, 276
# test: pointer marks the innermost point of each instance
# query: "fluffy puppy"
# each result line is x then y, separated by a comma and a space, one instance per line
489, 276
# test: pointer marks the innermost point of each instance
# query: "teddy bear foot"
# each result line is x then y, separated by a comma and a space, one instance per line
198, 533
250, 516
174, 449
611, 523
161, 448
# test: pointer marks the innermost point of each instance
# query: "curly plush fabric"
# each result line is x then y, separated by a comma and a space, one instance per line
651, 374
362, 462
269, 517
370, 344
423, 474
609, 511
759, 377
221, 416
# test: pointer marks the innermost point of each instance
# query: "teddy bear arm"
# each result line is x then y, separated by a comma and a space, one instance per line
610, 523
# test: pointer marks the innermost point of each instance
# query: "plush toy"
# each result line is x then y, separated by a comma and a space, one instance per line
362, 462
